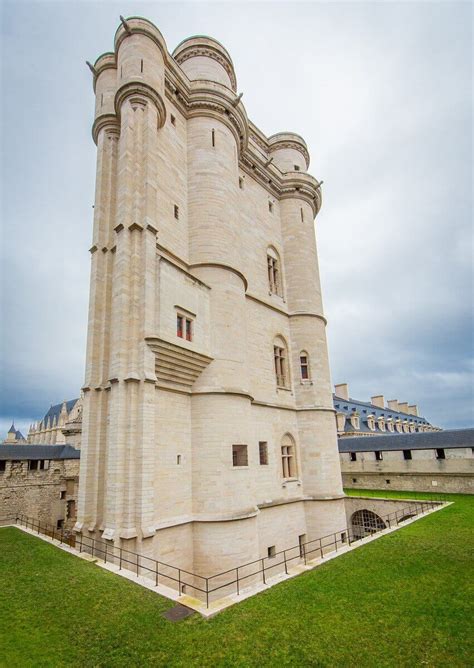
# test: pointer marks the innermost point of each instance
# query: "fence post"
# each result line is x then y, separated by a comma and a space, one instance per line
321, 548
138, 563
263, 571
284, 557
237, 573
80, 546
62, 534
120, 561
156, 578
39, 525
93, 545
207, 592
304, 553
105, 551
179, 581
335, 540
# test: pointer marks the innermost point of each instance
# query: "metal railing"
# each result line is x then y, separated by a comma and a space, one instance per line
234, 578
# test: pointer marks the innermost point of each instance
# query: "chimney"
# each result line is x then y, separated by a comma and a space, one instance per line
342, 391
403, 408
378, 401
393, 404
413, 410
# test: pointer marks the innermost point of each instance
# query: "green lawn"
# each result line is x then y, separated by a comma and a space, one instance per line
402, 600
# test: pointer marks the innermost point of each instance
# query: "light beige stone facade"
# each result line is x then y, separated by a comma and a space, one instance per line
208, 431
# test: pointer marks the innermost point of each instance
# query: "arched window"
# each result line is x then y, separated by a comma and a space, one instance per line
280, 357
365, 523
304, 366
274, 272
288, 457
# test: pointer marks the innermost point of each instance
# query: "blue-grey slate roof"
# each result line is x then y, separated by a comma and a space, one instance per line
364, 409
14, 452
449, 438
55, 410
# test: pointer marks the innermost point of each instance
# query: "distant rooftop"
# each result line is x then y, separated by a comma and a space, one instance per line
31, 451
449, 438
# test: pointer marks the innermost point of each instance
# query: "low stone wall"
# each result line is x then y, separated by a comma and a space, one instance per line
434, 483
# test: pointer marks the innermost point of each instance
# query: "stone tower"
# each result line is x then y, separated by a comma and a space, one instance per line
209, 434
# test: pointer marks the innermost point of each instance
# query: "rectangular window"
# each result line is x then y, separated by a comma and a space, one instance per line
59, 524
288, 461
189, 330
273, 275
407, 454
263, 452
388, 482
173, 120
440, 454
2, 466
271, 551
176, 211
304, 367
353, 457
179, 326
184, 327
36, 465
239, 455
63, 494
354, 480
379, 456
280, 366
297, 169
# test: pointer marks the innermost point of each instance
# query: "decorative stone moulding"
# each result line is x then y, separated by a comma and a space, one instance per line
104, 62
177, 365
140, 26
139, 92
289, 140
207, 47
109, 122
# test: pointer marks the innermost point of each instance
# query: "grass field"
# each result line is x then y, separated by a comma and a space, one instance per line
402, 600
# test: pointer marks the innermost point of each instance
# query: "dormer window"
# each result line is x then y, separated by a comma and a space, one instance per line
381, 423
371, 422
355, 421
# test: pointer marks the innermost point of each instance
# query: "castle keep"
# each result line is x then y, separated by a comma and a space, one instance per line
208, 430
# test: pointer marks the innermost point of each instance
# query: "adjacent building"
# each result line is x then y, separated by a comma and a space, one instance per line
14, 436
61, 424
439, 461
208, 430
40, 482
375, 418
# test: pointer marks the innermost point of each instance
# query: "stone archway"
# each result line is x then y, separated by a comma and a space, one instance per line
365, 523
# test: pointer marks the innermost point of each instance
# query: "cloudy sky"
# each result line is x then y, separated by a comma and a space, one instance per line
382, 93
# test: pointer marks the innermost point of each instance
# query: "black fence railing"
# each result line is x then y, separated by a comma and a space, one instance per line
233, 579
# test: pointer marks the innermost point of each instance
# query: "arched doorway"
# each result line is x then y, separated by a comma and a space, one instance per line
365, 523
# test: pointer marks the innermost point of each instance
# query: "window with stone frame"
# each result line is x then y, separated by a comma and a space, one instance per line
240, 455
304, 366
274, 273
288, 457
184, 327
263, 453
280, 357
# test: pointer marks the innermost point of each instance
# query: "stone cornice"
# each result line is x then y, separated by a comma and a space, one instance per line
208, 49
109, 122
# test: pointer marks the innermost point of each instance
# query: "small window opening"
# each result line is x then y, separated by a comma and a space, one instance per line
178, 460
288, 461
263, 452
189, 330
184, 328
302, 215
213, 137
101, 99
297, 168
271, 551
343, 537
279, 355
59, 524
176, 211
121, 70
2, 466
270, 207
440, 454
173, 120
388, 482
241, 183
378, 456
354, 479
239, 455
273, 268
353, 456
63, 494
407, 454
179, 326
141, 65
304, 366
